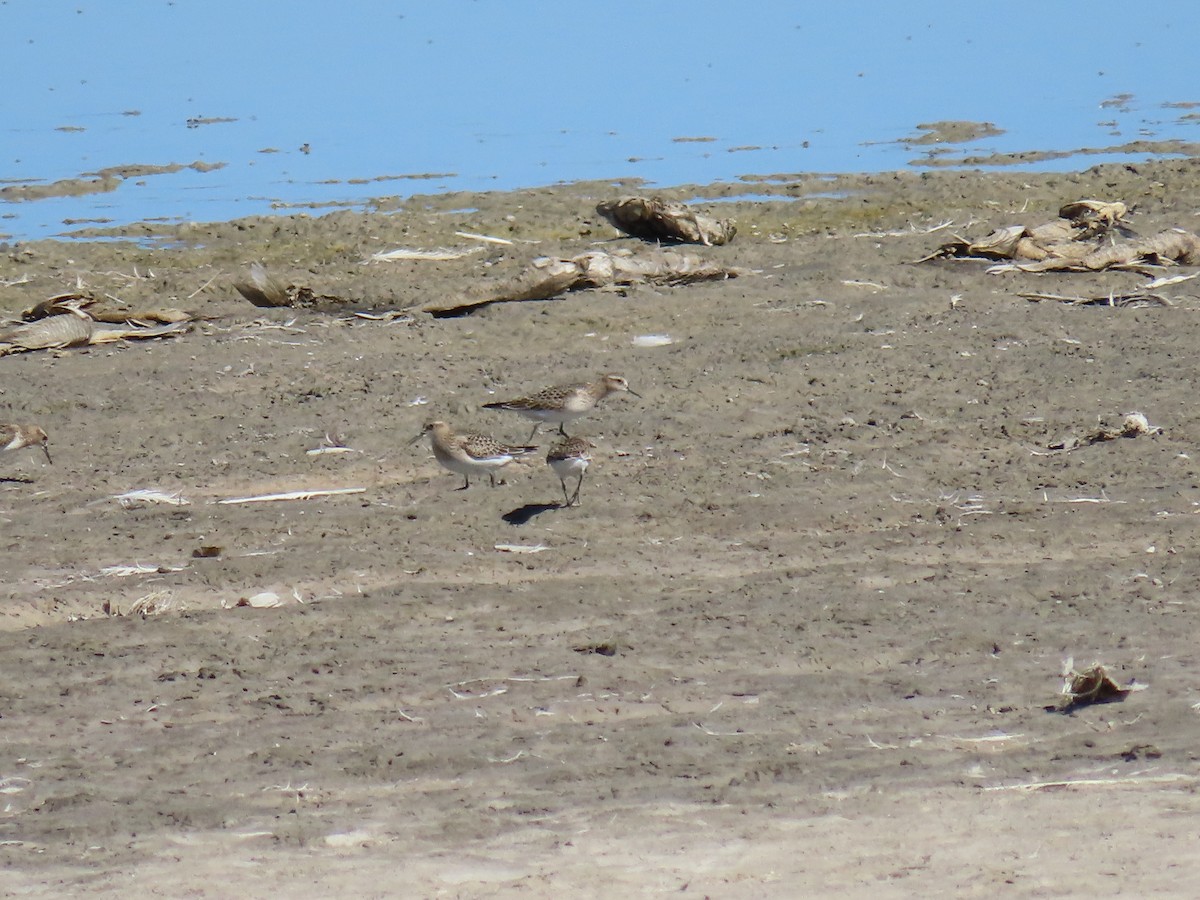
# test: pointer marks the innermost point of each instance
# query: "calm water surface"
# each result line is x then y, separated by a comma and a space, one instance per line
268, 104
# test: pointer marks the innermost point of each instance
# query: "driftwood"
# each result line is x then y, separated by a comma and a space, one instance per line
654, 219
75, 330
551, 277
264, 290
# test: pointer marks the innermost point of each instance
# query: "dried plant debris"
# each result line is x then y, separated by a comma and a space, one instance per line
293, 495
132, 499
75, 330
1167, 248
264, 290
1081, 239
552, 277
409, 254
102, 308
1133, 300
1092, 685
153, 604
1094, 216
654, 219
81, 317
1133, 425
1080, 228
263, 600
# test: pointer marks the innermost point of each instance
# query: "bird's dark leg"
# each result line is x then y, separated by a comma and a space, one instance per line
466, 483
575, 498
562, 429
493, 477
532, 433
566, 498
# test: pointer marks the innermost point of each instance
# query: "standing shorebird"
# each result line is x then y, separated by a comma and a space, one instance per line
16, 437
570, 457
469, 454
564, 403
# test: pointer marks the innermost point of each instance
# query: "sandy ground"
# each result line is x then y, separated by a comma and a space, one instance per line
803, 636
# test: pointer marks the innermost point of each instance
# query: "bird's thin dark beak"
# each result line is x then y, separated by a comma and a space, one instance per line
46, 450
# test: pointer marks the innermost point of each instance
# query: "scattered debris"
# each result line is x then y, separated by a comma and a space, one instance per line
138, 569
1170, 778
1077, 222
551, 277
1080, 239
908, 232
1169, 280
263, 600
655, 219
1096, 216
153, 604
75, 329
322, 451
1134, 425
1167, 248
131, 499
102, 308
440, 254
602, 648
1092, 685
331, 443
207, 551
264, 290
1134, 300
390, 315
293, 495
485, 238
521, 548
653, 340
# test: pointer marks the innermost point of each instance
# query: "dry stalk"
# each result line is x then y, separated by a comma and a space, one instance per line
908, 232
153, 604
1172, 778
293, 495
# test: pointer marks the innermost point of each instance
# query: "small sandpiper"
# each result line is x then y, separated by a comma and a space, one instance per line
469, 454
570, 457
564, 403
16, 437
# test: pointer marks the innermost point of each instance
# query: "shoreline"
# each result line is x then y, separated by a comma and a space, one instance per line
944, 153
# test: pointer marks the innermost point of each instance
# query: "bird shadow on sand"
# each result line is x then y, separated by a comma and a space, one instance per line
523, 514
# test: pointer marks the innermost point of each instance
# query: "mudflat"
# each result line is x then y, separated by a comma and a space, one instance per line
803, 636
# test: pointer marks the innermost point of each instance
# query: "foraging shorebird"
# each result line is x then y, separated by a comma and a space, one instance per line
17, 437
564, 403
570, 457
469, 454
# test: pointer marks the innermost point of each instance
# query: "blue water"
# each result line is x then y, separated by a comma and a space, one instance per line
307, 102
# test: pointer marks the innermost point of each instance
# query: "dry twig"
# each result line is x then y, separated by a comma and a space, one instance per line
293, 495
